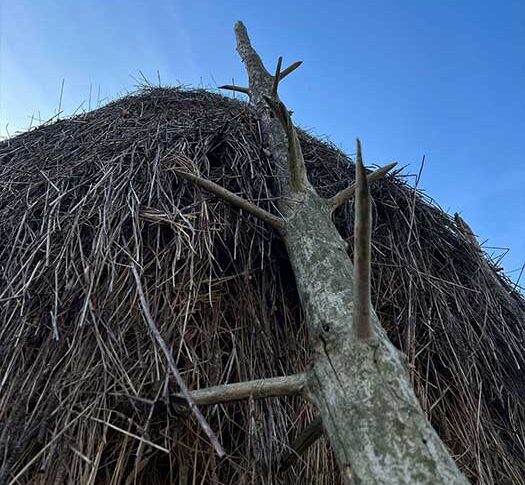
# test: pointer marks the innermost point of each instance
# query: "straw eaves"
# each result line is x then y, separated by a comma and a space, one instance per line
85, 392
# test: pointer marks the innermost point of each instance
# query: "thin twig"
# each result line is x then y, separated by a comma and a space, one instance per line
362, 242
173, 367
346, 194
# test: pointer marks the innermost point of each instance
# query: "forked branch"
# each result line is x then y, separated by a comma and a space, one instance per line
233, 199
280, 75
362, 241
260, 80
291, 68
263, 92
346, 194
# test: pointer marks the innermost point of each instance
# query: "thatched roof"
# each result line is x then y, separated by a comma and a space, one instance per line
81, 199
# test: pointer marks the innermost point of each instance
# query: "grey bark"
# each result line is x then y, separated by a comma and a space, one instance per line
257, 389
368, 408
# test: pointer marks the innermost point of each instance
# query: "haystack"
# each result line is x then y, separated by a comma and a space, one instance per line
85, 395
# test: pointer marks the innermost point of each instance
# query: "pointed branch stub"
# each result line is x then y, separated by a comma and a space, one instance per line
280, 75
233, 199
362, 242
238, 89
291, 68
292, 385
297, 169
346, 194
277, 77
278, 130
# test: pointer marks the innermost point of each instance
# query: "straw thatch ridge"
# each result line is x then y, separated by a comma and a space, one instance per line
85, 198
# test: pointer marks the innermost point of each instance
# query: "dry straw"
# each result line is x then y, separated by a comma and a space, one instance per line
86, 395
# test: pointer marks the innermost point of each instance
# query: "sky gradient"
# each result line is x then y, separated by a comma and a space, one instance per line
444, 79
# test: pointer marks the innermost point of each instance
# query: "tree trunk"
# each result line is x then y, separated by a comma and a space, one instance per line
362, 389
358, 379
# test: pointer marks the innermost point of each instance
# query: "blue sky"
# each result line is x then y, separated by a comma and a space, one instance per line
440, 78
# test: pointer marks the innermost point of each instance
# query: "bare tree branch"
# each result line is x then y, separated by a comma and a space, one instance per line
277, 77
362, 242
291, 68
234, 200
173, 367
239, 89
256, 389
346, 194
296, 166
280, 75
302, 442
